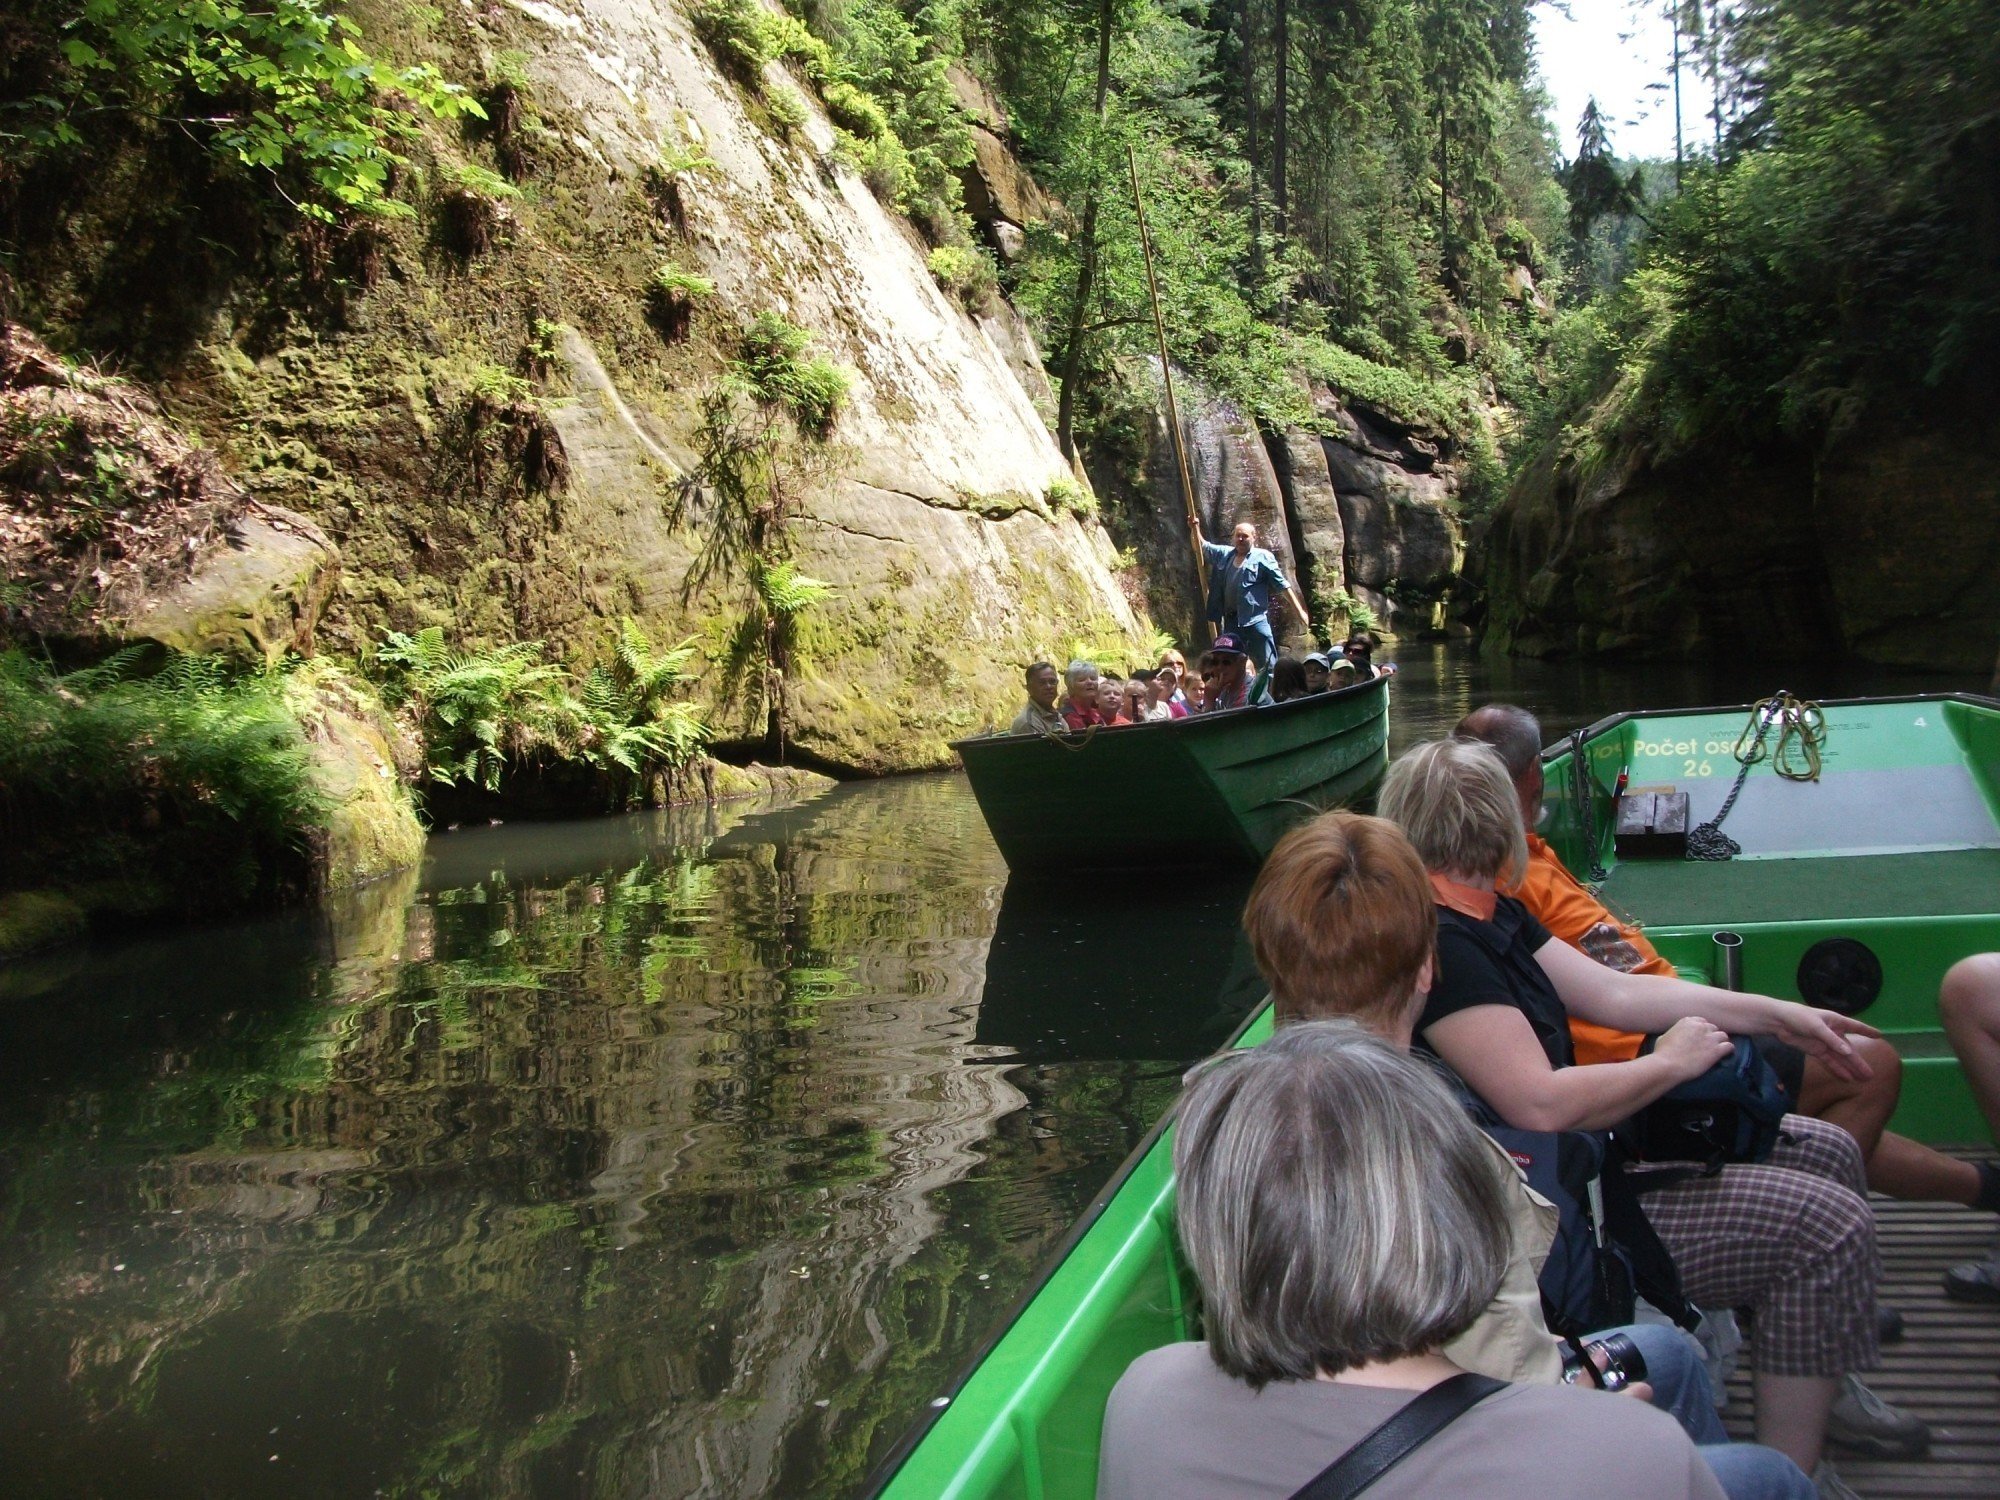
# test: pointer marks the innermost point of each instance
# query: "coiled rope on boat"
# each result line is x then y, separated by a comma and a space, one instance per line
1796, 757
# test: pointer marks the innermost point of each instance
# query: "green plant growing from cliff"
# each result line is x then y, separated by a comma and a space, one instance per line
967, 273
1066, 495
196, 771
477, 712
503, 430
787, 109
773, 363
284, 89
672, 295
634, 729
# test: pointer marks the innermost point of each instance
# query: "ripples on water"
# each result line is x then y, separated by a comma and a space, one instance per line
670, 1155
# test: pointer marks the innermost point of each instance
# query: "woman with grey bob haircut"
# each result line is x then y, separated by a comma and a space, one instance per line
1336, 1204
1345, 1222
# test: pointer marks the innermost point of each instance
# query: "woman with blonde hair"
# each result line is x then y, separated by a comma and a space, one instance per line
1792, 1239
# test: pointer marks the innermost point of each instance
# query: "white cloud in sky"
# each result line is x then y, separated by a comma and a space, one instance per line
1613, 49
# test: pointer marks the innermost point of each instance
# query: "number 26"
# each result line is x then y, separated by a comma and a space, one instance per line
1697, 768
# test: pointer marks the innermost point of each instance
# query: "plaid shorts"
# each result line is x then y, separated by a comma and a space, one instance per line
1793, 1240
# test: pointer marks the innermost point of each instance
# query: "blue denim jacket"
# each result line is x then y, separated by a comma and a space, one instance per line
1262, 577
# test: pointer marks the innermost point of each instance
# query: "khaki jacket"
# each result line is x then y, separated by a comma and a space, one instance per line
1510, 1341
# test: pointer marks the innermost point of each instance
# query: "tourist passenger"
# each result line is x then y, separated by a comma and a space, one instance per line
1288, 679
1896, 1165
1111, 700
1178, 663
1969, 1003
1793, 1240
1241, 579
1166, 694
1315, 664
1346, 1223
1340, 673
1039, 716
1343, 925
1149, 702
1079, 708
1225, 675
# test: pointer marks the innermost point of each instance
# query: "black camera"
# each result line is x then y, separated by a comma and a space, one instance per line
1617, 1365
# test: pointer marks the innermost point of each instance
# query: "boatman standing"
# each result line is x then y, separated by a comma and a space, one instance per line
1241, 582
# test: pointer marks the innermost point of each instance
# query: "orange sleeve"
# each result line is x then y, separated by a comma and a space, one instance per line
1556, 900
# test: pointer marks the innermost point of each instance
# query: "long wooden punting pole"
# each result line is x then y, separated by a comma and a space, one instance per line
1167, 374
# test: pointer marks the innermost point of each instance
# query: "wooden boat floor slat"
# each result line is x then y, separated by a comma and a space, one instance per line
1676, 893
1946, 1370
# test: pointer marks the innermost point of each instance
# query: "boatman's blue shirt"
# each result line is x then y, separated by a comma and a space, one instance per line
1241, 593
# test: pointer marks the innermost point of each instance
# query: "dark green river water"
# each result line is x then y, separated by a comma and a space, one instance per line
679, 1154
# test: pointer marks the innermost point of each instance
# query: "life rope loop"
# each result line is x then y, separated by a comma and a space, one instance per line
1062, 741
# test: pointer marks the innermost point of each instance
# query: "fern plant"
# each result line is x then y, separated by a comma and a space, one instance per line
477, 710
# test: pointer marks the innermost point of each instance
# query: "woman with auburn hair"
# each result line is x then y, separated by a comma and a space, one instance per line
1793, 1239
1345, 1222
1343, 926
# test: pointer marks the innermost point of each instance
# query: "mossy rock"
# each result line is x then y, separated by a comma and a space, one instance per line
371, 825
33, 920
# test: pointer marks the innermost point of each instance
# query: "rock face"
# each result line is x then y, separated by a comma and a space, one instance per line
927, 511
1886, 547
1403, 545
258, 594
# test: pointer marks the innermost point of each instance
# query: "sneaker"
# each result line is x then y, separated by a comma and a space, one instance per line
1862, 1422
1975, 1281
1826, 1479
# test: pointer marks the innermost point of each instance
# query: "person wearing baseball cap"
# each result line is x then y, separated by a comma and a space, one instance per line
1225, 674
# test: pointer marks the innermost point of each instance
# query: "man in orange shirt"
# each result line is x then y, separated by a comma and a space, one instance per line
1897, 1165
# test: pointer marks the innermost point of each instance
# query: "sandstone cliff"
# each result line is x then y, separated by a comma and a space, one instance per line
493, 325
1885, 546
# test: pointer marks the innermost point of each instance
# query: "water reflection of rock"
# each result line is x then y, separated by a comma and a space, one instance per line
619, 1170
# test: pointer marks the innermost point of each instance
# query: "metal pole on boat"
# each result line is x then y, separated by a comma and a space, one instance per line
1729, 960
1167, 374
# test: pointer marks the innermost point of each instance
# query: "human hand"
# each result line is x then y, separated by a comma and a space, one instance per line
1693, 1046
1641, 1389
1822, 1034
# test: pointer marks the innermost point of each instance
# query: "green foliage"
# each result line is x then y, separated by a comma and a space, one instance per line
967, 273
787, 110
1065, 494
483, 714
673, 294
195, 771
735, 32
284, 88
774, 366
477, 711
855, 111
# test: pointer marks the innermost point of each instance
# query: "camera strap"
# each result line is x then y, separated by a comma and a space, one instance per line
1396, 1439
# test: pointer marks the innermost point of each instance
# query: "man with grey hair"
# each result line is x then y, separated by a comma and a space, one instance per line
1345, 1221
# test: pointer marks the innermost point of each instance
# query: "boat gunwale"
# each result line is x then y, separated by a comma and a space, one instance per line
1563, 745
884, 1472
1192, 723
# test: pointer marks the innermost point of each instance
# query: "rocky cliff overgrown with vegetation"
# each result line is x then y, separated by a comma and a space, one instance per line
1766, 437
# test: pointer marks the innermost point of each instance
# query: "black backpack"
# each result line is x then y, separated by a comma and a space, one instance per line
1605, 1254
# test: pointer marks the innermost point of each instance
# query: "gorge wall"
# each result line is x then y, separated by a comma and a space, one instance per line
383, 418
1885, 546
1360, 509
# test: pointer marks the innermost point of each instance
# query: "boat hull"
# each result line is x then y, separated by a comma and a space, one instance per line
1211, 789
1024, 1418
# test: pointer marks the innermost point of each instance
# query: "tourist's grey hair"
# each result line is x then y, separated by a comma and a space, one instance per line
1457, 803
1077, 668
1514, 732
1335, 1203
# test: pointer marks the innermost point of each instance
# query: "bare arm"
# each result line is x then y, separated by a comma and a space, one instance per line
1653, 1002
1493, 1048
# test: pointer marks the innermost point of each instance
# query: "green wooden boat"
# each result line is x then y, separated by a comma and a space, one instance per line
1208, 790
1897, 847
